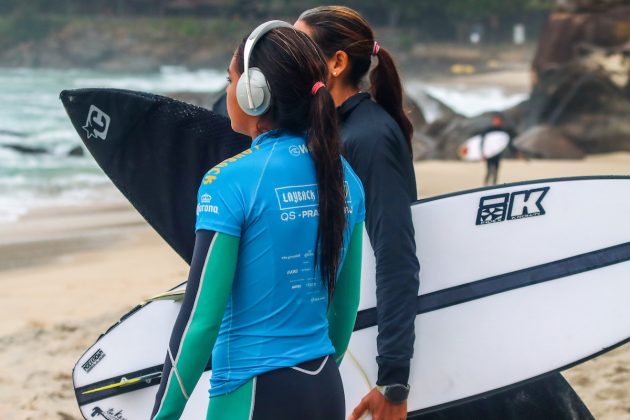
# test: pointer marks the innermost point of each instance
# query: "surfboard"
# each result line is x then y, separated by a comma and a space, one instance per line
494, 143
517, 281
155, 150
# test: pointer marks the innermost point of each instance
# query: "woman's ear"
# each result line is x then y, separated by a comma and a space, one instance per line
338, 64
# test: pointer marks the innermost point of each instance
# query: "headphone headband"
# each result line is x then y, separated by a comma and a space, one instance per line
256, 34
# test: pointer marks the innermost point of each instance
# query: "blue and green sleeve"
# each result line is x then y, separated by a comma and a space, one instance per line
197, 326
342, 312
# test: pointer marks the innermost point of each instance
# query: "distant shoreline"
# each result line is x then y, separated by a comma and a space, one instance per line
144, 44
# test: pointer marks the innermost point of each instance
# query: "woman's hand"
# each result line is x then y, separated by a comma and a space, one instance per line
381, 409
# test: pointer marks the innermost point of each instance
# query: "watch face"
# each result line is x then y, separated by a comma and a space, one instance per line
396, 393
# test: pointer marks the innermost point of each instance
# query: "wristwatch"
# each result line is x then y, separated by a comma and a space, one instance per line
395, 393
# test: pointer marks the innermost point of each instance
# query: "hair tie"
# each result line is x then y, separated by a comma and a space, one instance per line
376, 48
317, 86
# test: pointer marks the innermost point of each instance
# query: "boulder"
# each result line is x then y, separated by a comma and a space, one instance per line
423, 146
544, 141
605, 23
582, 83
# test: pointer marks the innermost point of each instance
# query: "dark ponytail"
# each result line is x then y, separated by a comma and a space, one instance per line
292, 64
387, 92
326, 153
339, 28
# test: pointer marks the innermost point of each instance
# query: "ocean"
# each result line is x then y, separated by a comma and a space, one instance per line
31, 115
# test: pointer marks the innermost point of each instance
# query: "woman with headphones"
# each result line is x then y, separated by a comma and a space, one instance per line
273, 288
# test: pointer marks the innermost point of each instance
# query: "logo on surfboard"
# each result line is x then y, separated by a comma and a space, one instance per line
511, 206
97, 123
109, 414
93, 360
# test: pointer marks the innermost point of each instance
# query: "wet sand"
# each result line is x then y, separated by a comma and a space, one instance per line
67, 274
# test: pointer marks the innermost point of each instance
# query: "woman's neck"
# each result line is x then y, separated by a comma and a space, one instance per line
258, 127
341, 93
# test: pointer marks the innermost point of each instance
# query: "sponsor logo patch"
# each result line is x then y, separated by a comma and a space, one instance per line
207, 208
97, 123
296, 197
511, 206
303, 196
93, 360
298, 150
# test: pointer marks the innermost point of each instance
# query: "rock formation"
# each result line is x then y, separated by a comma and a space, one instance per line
580, 100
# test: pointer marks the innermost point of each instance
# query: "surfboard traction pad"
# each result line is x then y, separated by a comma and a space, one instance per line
129, 132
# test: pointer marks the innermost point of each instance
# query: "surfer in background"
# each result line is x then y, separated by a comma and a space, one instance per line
497, 126
273, 288
376, 137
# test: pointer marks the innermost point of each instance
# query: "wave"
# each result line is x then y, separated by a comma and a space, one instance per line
169, 79
467, 101
33, 116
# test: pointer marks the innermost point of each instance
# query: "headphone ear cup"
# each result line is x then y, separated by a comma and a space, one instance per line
261, 95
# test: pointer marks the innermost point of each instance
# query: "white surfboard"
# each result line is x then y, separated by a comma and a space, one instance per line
494, 143
516, 281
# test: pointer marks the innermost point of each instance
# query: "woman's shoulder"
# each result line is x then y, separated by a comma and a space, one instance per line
236, 169
370, 126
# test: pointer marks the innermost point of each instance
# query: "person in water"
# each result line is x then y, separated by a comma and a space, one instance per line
273, 288
376, 135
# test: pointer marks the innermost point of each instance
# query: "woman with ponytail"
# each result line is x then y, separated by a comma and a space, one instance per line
273, 288
376, 136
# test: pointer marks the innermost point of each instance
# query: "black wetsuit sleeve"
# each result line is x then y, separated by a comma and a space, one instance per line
202, 245
391, 232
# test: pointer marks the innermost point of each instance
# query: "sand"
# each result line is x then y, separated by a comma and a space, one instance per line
67, 274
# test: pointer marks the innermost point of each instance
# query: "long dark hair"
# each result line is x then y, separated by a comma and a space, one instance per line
339, 28
292, 64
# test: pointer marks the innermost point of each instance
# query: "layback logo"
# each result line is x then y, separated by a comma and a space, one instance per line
511, 206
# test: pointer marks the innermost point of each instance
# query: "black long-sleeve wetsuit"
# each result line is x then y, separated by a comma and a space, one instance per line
378, 152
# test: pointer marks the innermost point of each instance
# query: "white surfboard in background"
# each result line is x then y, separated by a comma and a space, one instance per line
494, 143
516, 281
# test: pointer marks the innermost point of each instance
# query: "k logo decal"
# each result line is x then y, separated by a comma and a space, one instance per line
517, 205
492, 209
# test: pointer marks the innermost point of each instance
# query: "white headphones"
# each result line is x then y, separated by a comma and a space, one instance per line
252, 90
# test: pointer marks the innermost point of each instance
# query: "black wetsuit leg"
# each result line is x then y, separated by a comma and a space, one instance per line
289, 394
492, 173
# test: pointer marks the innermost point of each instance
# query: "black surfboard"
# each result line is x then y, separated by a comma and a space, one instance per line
155, 150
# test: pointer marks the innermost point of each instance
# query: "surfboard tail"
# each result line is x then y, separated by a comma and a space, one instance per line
155, 150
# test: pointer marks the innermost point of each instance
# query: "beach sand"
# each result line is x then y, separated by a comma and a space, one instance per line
67, 274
